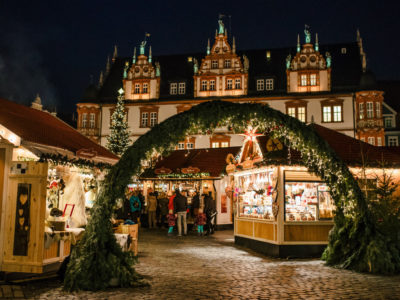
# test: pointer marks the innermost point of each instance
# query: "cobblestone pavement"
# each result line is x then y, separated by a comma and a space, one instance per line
194, 267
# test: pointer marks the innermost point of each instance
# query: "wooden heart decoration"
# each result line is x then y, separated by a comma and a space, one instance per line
21, 221
20, 211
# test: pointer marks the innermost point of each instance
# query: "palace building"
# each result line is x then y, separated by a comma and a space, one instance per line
328, 85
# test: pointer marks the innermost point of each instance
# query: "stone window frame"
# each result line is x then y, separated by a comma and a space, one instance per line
332, 103
269, 84
260, 85
149, 110
84, 120
186, 142
296, 104
181, 88
307, 75
391, 139
173, 88
370, 109
227, 63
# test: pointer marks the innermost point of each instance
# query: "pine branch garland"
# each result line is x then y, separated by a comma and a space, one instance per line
354, 242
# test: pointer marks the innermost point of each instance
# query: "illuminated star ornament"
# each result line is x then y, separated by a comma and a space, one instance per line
251, 149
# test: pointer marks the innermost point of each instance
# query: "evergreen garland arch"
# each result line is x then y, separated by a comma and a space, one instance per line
353, 242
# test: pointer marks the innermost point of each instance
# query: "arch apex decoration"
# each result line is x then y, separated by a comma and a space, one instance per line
353, 242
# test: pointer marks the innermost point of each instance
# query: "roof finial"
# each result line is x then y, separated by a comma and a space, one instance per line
150, 56
233, 45
316, 42
126, 70
101, 79
208, 47
226, 32
115, 54
134, 56
307, 34
298, 42
221, 29
37, 103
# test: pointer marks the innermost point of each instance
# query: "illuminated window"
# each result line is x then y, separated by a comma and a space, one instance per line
220, 141
173, 88
292, 112
379, 141
344, 50
182, 88
145, 119
237, 83
227, 63
260, 84
327, 117
92, 120
313, 79
224, 144
204, 85
153, 119
332, 110
301, 113
393, 141
214, 64
303, 79
212, 85
361, 110
371, 140
337, 113
229, 84
137, 88
145, 88
181, 146
215, 145
370, 109
84, 120
378, 109
269, 84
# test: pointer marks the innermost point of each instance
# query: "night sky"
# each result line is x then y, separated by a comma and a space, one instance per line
54, 47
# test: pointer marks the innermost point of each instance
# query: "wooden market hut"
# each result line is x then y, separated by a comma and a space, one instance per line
28, 135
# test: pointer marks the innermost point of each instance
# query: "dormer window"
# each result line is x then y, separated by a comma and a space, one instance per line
227, 63
173, 88
137, 88
260, 84
92, 120
204, 85
269, 84
214, 64
229, 84
212, 85
313, 79
145, 88
84, 120
182, 88
344, 50
303, 80
237, 84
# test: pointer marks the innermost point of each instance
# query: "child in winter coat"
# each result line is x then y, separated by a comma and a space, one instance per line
200, 220
171, 221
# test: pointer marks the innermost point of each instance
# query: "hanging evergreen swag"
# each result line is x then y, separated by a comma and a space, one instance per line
58, 159
118, 140
354, 242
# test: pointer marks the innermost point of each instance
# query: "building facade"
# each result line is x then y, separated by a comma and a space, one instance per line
324, 84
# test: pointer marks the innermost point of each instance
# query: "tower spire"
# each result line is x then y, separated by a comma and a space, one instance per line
115, 54
150, 55
316, 42
208, 47
101, 79
298, 42
233, 45
108, 65
134, 56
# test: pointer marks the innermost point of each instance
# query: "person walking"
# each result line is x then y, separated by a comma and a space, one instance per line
135, 206
180, 209
210, 211
151, 210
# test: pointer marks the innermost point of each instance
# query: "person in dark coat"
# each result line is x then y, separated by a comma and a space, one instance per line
210, 211
180, 209
195, 204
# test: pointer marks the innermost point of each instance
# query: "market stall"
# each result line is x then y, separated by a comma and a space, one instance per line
49, 183
281, 209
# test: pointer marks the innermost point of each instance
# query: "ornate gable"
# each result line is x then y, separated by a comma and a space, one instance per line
221, 72
309, 70
141, 78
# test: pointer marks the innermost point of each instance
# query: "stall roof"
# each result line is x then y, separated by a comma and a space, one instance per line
211, 160
41, 128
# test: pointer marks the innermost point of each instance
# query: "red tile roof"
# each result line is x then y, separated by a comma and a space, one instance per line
41, 127
210, 160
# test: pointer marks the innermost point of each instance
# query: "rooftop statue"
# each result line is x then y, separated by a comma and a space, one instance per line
221, 27
142, 45
307, 34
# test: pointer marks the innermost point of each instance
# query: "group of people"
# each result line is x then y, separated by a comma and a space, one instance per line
170, 209
179, 208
